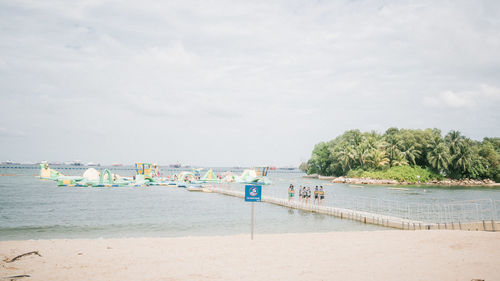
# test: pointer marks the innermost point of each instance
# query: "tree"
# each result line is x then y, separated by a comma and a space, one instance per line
438, 156
362, 153
392, 148
377, 159
399, 160
352, 137
487, 151
411, 154
320, 160
410, 147
423, 139
454, 140
392, 131
492, 158
346, 156
461, 158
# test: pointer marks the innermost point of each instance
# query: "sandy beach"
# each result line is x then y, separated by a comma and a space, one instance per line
370, 255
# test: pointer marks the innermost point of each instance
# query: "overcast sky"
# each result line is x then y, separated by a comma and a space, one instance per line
221, 83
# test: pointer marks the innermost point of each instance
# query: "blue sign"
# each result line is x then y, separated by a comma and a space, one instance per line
253, 193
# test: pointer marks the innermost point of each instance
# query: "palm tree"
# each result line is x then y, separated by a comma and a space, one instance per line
371, 141
411, 153
377, 159
391, 147
362, 153
392, 144
399, 160
454, 140
353, 137
463, 158
346, 156
438, 156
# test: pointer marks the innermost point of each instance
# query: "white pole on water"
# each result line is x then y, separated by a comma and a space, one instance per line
252, 220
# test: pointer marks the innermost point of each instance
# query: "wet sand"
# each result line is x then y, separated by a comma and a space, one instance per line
369, 255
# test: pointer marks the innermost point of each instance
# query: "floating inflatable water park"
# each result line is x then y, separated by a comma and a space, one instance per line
148, 174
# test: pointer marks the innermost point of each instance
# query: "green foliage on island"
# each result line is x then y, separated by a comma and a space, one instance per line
407, 155
400, 173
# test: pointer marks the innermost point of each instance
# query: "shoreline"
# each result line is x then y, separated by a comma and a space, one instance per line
369, 181
359, 255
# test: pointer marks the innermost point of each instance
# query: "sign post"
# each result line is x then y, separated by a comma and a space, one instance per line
251, 235
253, 193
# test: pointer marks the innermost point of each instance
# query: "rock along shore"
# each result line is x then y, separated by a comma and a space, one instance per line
450, 182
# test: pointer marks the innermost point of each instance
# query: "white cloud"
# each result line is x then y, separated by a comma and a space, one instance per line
484, 94
451, 99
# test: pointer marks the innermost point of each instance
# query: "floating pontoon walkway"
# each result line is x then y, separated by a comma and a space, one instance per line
371, 218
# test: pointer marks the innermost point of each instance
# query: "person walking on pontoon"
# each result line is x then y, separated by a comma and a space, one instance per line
308, 195
291, 192
316, 195
321, 195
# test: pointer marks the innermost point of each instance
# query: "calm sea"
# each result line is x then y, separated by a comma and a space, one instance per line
31, 208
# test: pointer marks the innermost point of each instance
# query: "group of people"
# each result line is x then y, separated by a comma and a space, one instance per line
305, 194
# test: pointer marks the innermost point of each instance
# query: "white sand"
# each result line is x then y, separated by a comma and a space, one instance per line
370, 255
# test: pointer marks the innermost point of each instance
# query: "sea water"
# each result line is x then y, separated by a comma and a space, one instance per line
31, 208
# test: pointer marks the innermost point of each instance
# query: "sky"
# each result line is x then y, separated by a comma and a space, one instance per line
238, 83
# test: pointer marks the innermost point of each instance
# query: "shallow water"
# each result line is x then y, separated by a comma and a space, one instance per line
31, 208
